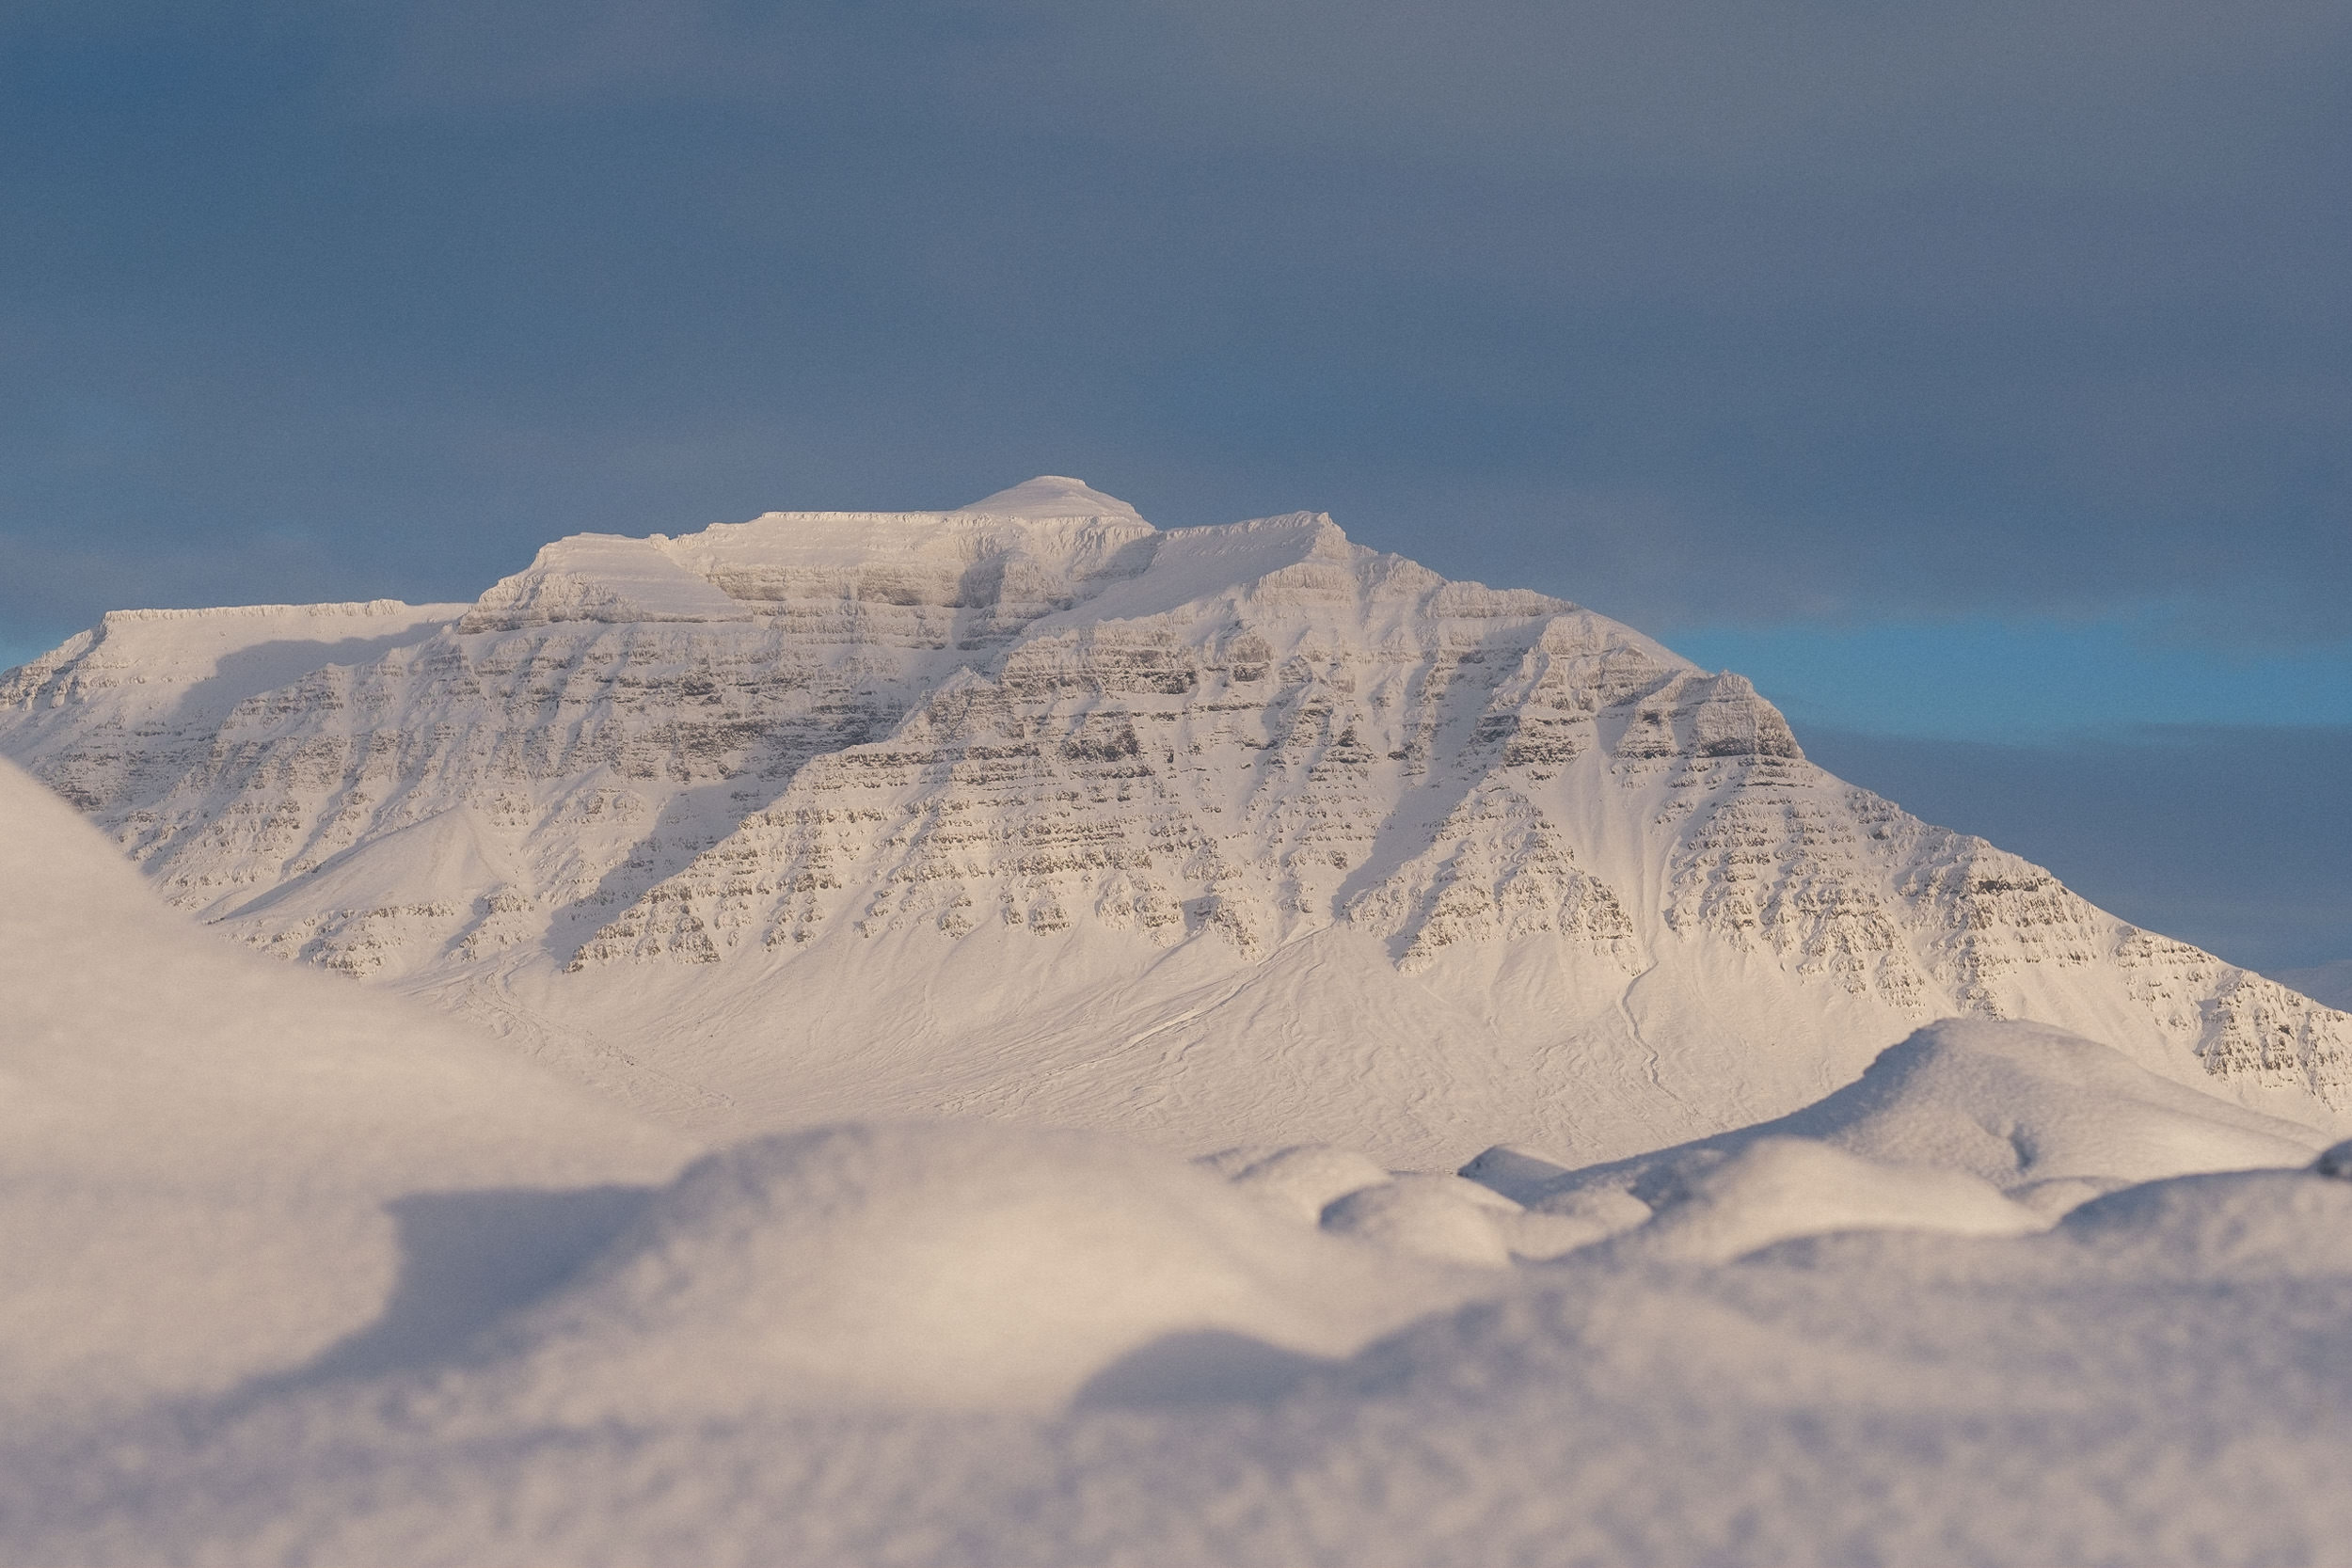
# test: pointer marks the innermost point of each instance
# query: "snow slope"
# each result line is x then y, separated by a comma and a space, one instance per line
204, 1155
1028, 810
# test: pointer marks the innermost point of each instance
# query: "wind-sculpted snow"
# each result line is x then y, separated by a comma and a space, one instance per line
960, 1266
1030, 809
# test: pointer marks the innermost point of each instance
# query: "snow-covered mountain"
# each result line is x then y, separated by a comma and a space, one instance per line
1219, 835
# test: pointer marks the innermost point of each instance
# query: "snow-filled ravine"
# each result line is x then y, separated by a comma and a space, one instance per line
298, 1273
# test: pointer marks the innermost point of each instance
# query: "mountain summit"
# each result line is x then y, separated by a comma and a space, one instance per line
1053, 495
1029, 809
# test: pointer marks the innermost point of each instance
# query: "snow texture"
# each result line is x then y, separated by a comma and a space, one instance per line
981, 1344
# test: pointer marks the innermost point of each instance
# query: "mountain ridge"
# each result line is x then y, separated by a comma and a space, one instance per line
1520, 871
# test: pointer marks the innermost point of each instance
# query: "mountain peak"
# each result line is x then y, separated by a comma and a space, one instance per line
1052, 496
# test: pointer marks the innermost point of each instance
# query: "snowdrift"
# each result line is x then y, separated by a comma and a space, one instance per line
198, 1146
955, 1265
1774, 1189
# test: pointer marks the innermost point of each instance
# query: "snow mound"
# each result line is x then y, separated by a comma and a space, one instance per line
2049, 1118
1435, 1217
2025, 1105
1443, 1218
199, 1146
1778, 1188
1577, 1217
960, 1265
2165, 1379
2226, 1226
1301, 1180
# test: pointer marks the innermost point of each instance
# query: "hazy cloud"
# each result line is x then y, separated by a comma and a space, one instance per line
1702, 312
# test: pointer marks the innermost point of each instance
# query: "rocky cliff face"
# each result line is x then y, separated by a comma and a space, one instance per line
1031, 808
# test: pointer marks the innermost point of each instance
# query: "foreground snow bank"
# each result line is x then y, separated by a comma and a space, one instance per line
2086, 1395
2273, 1224
198, 1147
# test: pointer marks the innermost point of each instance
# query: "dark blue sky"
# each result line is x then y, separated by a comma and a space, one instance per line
1976, 376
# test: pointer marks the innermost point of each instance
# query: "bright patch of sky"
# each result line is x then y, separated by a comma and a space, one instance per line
2021, 680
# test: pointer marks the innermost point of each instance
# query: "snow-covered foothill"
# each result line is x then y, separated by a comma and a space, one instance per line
202, 1153
2049, 1119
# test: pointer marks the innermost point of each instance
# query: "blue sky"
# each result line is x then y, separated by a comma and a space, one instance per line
2026, 681
1976, 375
